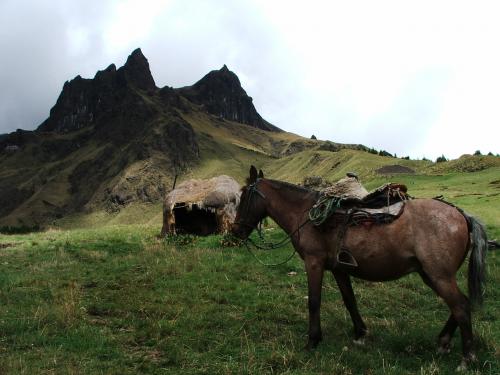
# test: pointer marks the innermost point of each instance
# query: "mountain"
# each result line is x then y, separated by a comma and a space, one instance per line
117, 138
115, 143
220, 92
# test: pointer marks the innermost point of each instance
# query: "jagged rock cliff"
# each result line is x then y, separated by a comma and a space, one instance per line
221, 94
112, 95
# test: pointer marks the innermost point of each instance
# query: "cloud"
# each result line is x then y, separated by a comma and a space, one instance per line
396, 75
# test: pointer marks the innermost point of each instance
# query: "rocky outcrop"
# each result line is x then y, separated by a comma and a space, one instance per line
97, 102
221, 94
136, 71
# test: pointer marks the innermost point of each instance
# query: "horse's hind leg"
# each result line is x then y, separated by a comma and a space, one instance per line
449, 328
446, 335
460, 310
344, 283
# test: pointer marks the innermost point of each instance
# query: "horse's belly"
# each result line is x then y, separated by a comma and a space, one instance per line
382, 268
381, 256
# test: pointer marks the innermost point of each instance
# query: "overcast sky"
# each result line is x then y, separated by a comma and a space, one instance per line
418, 78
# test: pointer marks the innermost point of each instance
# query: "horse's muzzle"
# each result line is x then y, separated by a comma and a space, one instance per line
240, 231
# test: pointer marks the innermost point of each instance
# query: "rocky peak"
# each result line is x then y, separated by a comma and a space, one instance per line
84, 102
137, 71
108, 72
221, 94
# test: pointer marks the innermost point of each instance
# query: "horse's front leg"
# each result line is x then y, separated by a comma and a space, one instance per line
314, 270
344, 283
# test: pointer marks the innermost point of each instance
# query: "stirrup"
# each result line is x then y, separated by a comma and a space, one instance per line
345, 257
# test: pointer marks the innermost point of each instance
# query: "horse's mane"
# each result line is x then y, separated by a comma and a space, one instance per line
283, 184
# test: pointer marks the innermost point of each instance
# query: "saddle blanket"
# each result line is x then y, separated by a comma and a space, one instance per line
346, 217
393, 210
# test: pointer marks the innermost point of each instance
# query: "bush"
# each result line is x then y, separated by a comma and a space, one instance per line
20, 229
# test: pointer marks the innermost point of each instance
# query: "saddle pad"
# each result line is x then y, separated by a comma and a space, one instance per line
394, 209
356, 216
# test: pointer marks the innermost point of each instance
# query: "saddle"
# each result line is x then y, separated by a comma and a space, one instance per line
348, 203
349, 198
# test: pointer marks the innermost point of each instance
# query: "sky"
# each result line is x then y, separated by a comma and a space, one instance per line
415, 78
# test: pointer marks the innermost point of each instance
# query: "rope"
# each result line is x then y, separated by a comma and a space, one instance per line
323, 209
268, 264
273, 246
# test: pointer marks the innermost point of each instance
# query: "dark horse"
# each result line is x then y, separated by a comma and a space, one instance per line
430, 237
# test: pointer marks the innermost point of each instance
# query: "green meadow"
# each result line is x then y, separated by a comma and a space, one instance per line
102, 294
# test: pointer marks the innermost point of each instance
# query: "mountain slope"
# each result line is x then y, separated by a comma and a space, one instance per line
117, 138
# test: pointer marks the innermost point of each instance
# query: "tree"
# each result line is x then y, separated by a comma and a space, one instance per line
385, 153
441, 159
477, 153
313, 137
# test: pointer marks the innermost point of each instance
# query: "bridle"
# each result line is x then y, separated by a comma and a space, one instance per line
252, 190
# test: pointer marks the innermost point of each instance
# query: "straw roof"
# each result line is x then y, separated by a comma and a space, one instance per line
348, 187
214, 193
219, 195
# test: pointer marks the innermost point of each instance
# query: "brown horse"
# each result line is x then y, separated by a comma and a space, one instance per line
430, 237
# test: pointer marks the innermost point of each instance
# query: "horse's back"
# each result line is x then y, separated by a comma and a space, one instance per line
428, 234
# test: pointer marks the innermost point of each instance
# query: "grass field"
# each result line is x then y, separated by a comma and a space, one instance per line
120, 301
114, 299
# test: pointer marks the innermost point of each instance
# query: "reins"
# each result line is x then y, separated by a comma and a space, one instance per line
267, 246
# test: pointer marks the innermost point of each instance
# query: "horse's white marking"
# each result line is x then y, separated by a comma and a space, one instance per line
360, 342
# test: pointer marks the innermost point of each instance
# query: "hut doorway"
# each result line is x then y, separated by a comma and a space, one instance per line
194, 220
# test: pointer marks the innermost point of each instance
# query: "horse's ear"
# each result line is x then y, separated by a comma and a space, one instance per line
261, 174
253, 175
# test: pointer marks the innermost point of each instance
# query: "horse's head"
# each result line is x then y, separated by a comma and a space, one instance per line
252, 208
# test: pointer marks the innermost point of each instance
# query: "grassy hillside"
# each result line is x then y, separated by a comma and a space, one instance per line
477, 192
334, 165
117, 300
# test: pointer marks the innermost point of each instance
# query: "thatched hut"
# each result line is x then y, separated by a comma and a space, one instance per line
201, 207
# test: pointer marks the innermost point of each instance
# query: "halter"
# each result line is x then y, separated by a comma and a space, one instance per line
252, 189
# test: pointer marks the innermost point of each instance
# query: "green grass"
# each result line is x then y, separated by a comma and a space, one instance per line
112, 298
118, 300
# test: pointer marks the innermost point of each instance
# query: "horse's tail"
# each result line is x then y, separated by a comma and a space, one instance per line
477, 260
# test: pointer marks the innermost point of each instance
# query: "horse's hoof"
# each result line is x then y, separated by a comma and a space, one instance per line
444, 349
311, 345
359, 342
470, 358
462, 367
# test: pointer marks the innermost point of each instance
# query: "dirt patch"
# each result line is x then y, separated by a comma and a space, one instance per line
394, 169
6, 245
